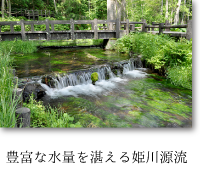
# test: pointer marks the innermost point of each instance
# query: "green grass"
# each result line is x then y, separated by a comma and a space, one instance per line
18, 47
77, 42
8, 101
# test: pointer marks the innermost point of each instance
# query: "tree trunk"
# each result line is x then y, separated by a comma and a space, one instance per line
123, 10
176, 18
33, 4
189, 10
9, 6
2, 8
161, 7
55, 5
118, 10
183, 15
166, 14
110, 12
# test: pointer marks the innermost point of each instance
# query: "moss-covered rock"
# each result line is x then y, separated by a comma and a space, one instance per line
94, 77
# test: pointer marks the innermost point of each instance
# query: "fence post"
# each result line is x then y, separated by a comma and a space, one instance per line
22, 29
72, 28
12, 28
32, 27
29, 14
52, 26
167, 23
92, 26
189, 30
127, 26
95, 29
33, 14
144, 25
23, 117
161, 28
132, 27
47, 30
117, 28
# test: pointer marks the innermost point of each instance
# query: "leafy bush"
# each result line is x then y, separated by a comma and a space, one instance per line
49, 117
181, 75
162, 52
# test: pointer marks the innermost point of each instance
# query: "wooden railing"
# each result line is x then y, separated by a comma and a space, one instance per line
116, 30
31, 14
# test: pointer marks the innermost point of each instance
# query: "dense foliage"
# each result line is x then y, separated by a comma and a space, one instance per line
178, 11
162, 52
49, 117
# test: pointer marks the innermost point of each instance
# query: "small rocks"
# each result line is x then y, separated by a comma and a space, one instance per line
33, 88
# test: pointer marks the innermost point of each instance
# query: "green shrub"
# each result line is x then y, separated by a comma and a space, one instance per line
163, 53
49, 117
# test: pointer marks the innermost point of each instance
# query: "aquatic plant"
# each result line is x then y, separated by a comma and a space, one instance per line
94, 77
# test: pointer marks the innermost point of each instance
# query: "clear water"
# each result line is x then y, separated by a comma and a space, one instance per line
135, 98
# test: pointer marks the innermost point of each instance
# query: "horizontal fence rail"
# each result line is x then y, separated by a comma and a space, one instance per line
31, 14
28, 30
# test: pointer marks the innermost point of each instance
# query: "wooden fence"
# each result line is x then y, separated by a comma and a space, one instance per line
117, 29
31, 14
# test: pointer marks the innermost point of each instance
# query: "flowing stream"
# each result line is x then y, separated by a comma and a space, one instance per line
128, 96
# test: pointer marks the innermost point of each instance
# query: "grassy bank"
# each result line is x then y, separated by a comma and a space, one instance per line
163, 53
7, 112
7, 101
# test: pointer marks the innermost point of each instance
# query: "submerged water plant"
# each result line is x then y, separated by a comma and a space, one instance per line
94, 77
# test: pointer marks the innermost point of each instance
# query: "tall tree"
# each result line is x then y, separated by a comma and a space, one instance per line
166, 13
110, 12
2, 8
55, 6
183, 14
190, 3
9, 8
124, 14
176, 18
